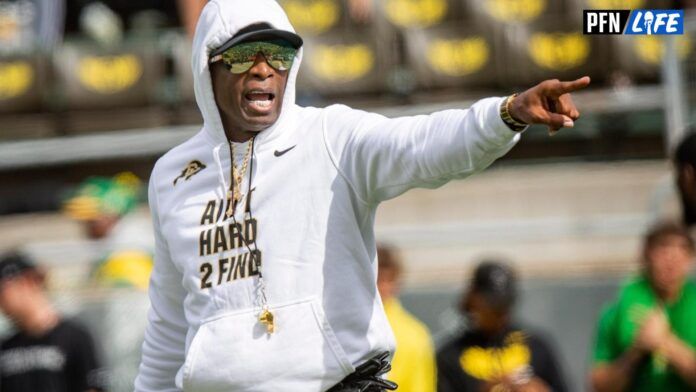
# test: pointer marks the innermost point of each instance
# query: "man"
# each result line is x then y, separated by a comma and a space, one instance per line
494, 354
47, 353
264, 275
685, 165
646, 339
413, 366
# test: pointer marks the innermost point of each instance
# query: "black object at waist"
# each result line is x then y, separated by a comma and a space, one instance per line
367, 377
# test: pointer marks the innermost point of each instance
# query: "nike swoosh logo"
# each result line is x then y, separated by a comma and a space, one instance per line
280, 153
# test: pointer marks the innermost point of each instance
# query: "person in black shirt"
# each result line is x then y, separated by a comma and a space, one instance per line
494, 354
47, 353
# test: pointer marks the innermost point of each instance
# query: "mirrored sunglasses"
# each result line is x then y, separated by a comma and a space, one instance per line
240, 58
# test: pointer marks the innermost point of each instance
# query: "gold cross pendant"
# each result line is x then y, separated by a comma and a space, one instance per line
237, 195
232, 200
266, 318
230, 205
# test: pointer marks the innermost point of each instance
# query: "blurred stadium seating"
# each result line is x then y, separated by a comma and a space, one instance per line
451, 49
23, 113
454, 55
97, 86
21, 77
346, 62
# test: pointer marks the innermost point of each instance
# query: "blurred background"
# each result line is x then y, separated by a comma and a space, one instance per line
103, 88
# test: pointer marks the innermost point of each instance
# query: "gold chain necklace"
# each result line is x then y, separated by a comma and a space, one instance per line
265, 317
237, 177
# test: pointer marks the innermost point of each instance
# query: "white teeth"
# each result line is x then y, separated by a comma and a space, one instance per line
262, 104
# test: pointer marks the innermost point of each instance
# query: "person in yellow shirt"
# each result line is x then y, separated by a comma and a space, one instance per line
413, 366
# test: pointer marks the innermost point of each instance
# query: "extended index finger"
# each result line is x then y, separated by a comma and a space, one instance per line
560, 88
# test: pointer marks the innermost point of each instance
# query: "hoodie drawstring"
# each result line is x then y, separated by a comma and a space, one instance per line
221, 178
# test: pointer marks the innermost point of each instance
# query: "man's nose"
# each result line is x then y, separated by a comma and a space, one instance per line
261, 69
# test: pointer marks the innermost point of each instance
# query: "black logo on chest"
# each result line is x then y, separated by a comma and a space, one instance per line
281, 153
190, 170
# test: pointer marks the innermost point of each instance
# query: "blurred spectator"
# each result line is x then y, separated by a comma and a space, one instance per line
27, 25
100, 18
679, 4
413, 367
685, 164
101, 24
190, 10
646, 338
47, 353
361, 11
128, 12
104, 206
494, 354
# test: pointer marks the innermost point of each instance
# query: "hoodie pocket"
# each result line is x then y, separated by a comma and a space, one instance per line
233, 352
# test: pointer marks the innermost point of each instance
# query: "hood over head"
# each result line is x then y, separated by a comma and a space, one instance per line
220, 21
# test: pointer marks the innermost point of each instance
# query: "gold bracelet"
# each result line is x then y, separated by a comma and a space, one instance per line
512, 123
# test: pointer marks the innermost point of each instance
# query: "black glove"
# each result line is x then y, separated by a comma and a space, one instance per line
366, 377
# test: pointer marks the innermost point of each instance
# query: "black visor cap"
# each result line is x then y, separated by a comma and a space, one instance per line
497, 282
259, 32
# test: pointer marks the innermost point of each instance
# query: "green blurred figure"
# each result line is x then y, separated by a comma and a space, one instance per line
104, 205
646, 339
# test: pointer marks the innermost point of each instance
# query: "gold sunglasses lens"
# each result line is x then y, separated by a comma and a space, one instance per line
280, 65
238, 68
241, 58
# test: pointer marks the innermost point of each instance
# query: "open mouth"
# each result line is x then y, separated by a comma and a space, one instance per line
259, 100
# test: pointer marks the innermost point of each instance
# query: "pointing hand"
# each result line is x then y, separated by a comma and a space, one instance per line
548, 103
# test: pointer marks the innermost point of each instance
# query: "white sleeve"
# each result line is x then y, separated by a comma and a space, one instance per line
163, 351
381, 158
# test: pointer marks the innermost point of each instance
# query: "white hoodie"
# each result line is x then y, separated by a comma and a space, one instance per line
312, 215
